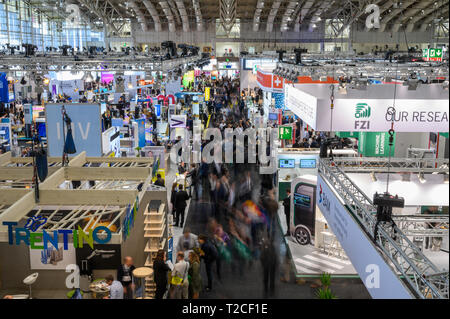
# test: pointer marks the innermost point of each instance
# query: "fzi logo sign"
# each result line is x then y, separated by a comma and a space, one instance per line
362, 111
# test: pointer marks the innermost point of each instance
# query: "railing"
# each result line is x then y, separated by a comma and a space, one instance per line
400, 253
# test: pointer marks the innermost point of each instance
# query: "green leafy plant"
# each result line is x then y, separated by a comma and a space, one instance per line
138, 151
325, 279
325, 293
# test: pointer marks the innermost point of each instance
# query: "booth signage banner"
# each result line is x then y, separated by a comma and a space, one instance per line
177, 121
28, 113
375, 144
158, 110
379, 279
269, 82
370, 115
111, 141
86, 128
141, 132
207, 93
303, 105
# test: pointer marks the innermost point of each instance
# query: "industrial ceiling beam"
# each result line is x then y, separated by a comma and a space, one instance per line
169, 16
151, 8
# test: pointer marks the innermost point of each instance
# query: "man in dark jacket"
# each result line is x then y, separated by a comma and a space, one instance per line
209, 255
125, 276
180, 206
287, 209
193, 174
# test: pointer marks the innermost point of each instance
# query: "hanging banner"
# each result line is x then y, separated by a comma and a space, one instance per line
427, 111
86, 128
366, 115
375, 144
379, 278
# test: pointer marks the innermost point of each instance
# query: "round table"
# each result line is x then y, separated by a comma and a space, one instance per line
141, 273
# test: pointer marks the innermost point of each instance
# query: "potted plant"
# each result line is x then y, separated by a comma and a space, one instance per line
325, 293
325, 280
138, 151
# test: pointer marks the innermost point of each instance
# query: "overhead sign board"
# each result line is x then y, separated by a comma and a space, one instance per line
371, 115
86, 128
302, 104
177, 121
433, 54
379, 278
269, 82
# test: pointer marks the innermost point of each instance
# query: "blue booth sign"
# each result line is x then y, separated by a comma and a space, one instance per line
86, 128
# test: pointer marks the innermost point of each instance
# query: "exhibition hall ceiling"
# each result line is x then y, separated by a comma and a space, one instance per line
284, 15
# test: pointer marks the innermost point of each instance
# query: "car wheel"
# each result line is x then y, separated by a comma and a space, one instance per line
302, 235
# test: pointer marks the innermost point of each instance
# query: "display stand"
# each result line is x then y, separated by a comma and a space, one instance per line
154, 230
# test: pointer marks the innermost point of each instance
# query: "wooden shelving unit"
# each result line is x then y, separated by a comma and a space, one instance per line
154, 235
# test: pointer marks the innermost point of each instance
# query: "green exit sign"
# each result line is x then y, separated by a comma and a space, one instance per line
285, 132
434, 54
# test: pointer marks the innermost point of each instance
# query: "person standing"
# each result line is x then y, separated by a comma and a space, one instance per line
173, 195
195, 282
180, 206
209, 255
160, 271
115, 288
188, 241
180, 282
125, 276
287, 210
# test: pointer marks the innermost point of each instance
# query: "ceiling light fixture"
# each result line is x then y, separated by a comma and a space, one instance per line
373, 176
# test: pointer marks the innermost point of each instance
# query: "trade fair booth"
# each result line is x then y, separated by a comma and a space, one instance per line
107, 208
389, 242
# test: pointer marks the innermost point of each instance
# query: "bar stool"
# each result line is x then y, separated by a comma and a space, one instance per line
31, 279
141, 273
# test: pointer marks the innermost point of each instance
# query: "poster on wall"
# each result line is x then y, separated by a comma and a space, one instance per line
103, 256
86, 128
52, 258
303, 220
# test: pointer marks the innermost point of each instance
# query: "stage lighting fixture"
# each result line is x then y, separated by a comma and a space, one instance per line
422, 178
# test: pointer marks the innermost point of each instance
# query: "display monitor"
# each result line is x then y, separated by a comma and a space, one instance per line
307, 163
273, 116
287, 163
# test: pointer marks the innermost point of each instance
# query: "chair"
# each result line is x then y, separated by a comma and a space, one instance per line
30, 280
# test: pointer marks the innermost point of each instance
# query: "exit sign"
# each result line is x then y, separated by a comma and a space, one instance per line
432, 54
285, 132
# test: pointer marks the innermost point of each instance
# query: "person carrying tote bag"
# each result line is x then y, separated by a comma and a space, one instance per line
179, 283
